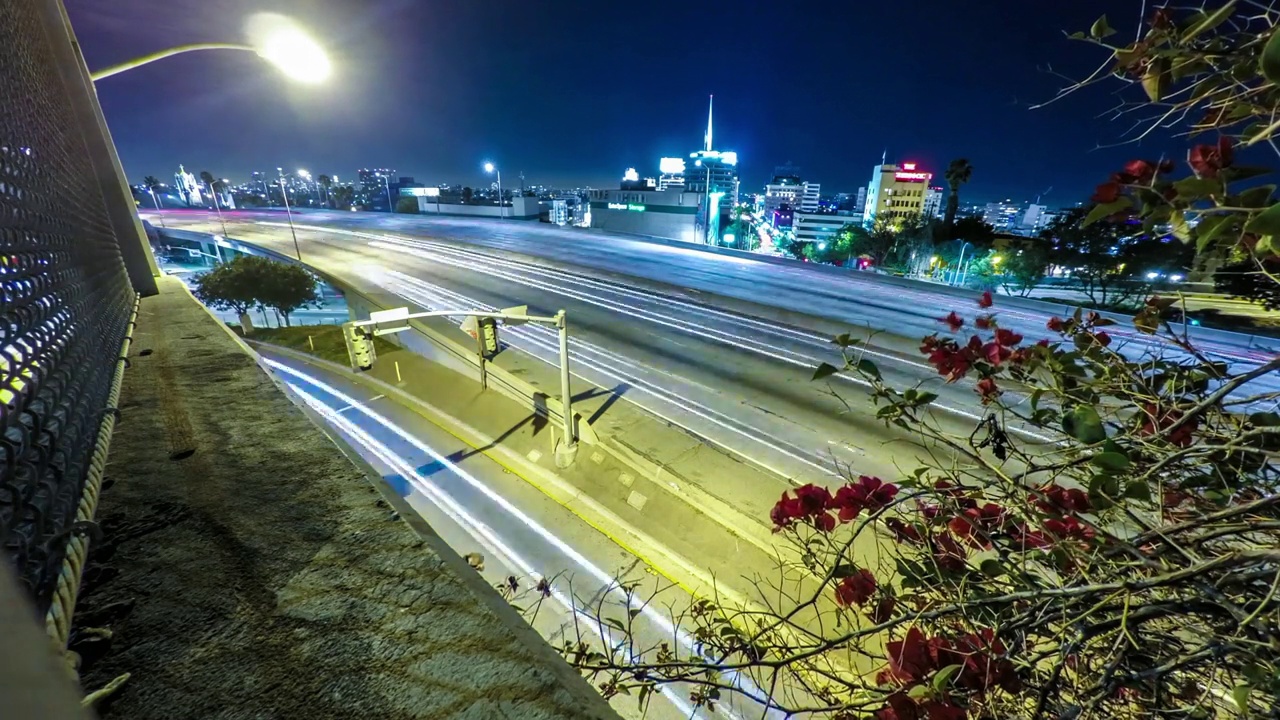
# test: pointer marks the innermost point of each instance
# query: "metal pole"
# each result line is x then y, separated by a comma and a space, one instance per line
484, 370
955, 276
221, 222
138, 62
387, 183
284, 194
566, 398
502, 211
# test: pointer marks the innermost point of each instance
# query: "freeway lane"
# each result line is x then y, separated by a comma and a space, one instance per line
742, 383
475, 505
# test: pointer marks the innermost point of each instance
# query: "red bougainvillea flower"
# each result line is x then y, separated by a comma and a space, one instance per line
987, 390
882, 611
949, 554
1208, 160
903, 532
809, 505
1056, 324
1159, 420
976, 525
875, 493
1068, 528
900, 706
1107, 192
984, 322
1025, 538
984, 666
909, 659
985, 300
1007, 338
857, 589
954, 321
1058, 499
995, 353
1140, 170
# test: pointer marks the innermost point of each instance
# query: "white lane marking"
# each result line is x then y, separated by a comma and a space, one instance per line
464, 518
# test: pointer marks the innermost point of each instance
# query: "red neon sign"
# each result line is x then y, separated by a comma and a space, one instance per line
913, 176
908, 166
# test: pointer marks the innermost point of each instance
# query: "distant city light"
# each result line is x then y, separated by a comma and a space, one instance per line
822, 246
671, 165
1176, 278
729, 237
631, 175
1153, 275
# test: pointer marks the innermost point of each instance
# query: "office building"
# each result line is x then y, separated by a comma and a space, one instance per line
783, 193
817, 228
810, 198
895, 192
1035, 219
1003, 216
373, 188
932, 203
670, 214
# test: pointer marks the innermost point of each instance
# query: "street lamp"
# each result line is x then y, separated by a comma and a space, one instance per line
306, 178
490, 168
274, 38
284, 195
214, 194
386, 183
960, 265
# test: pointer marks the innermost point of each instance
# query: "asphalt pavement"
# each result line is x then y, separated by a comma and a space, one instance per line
722, 346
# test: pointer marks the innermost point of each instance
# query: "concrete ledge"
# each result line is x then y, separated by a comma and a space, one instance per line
249, 569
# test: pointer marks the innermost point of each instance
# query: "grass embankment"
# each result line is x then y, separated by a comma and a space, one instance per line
323, 341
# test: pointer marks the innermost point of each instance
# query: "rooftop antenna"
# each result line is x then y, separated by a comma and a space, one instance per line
710, 103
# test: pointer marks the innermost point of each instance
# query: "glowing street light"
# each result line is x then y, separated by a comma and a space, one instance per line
274, 38
491, 168
996, 260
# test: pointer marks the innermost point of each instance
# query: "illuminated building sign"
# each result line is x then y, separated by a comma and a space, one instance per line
671, 166
913, 176
626, 206
908, 166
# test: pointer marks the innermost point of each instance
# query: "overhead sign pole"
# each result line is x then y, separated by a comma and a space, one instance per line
359, 335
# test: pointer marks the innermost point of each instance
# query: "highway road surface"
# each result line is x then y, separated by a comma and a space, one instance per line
722, 346
476, 506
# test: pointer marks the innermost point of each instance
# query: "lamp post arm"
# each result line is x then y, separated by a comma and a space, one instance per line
147, 59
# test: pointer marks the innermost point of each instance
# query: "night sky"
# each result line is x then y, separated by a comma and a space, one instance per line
574, 92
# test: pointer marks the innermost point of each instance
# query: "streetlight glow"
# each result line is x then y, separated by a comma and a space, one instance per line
996, 260
304, 174
488, 167
283, 43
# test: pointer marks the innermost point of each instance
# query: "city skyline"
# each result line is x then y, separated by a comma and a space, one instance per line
576, 107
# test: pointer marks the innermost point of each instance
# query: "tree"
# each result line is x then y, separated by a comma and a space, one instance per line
1247, 280
467, 195
325, 182
1024, 269
1125, 561
233, 286
286, 288
407, 205
958, 173
1099, 257
344, 197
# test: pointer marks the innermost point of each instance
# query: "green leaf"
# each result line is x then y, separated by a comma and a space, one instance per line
1254, 197
1194, 188
1156, 80
1103, 490
730, 631
1264, 419
1112, 462
825, 370
1084, 424
1266, 222
1106, 209
1269, 63
844, 570
866, 367
943, 677
1178, 224
843, 340
925, 398
992, 568
1138, 490
919, 692
1236, 173
1240, 695
1210, 228
1209, 22
1101, 28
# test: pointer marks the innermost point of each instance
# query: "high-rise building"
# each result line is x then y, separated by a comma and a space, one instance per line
782, 196
811, 197
714, 175
932, 203
188, 187
373, 188
1035, 219
895, 192
1003, 216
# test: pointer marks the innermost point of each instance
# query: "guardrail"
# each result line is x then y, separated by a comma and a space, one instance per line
427, 337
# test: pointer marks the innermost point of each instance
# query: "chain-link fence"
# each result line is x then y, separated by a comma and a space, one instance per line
65, 302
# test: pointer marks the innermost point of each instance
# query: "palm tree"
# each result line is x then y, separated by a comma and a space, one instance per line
152, 183
467, 195
958, 173
325, 182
